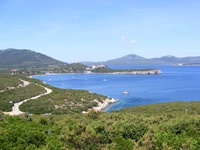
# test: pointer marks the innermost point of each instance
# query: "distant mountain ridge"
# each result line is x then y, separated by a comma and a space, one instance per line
133, 59
23, 58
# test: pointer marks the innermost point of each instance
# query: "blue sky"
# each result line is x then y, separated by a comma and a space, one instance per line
98, 30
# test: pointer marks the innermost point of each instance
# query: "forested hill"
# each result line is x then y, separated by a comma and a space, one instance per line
15, 58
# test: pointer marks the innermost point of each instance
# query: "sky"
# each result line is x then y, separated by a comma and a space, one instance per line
99, 30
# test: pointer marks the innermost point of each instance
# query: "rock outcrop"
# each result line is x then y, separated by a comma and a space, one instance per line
138, 72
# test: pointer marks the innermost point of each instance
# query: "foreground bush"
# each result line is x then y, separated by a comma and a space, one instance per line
119, 130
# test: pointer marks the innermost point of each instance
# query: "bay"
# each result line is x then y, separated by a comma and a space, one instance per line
175, 83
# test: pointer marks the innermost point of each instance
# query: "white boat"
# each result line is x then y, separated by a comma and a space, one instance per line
125, 92
104, 79
73, 77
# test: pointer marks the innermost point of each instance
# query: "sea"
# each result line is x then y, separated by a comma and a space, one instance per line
175, 83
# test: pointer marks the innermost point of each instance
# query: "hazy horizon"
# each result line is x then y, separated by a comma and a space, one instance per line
75, 31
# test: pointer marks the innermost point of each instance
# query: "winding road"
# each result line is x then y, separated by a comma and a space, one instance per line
15, 108
25, 83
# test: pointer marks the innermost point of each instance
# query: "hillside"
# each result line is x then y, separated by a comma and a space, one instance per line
15, 58
60, 101
133, 59
126, 60
162, 126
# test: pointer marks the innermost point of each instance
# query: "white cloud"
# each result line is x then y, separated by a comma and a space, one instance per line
132, 41
123, 37
127, 41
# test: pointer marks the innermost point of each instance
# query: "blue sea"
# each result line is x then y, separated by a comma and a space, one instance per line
175, 83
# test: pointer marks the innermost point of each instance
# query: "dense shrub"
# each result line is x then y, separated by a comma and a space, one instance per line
115, 130
183, 134
8, 81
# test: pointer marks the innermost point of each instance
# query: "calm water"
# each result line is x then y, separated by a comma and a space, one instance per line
176, 83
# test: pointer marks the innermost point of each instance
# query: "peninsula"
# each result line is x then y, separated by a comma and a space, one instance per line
104, 69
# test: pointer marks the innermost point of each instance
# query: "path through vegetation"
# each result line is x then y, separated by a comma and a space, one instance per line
15, 108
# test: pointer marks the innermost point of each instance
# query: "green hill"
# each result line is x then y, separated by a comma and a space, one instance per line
15, 58
60, 101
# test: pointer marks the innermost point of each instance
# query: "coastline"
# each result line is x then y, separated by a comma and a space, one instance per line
102, 105
146, 72
135, 72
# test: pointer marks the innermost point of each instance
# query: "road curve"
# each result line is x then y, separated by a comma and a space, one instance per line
15, 108
25, 83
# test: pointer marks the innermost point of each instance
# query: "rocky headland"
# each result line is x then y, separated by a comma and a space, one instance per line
106, 70
138, 72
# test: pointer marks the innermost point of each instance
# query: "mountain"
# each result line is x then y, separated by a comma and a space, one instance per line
126, 60
15, 58
90, 63
172, 60
133, 59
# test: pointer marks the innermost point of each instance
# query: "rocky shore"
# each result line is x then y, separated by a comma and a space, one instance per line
102, 105
138, 72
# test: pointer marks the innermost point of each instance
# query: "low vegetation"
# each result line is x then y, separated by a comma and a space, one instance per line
63, 102
8, 81
9, 97
172, 128
109, 70
60, 101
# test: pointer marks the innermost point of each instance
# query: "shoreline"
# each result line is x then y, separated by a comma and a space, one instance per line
144, 72
138, 72
102, 105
